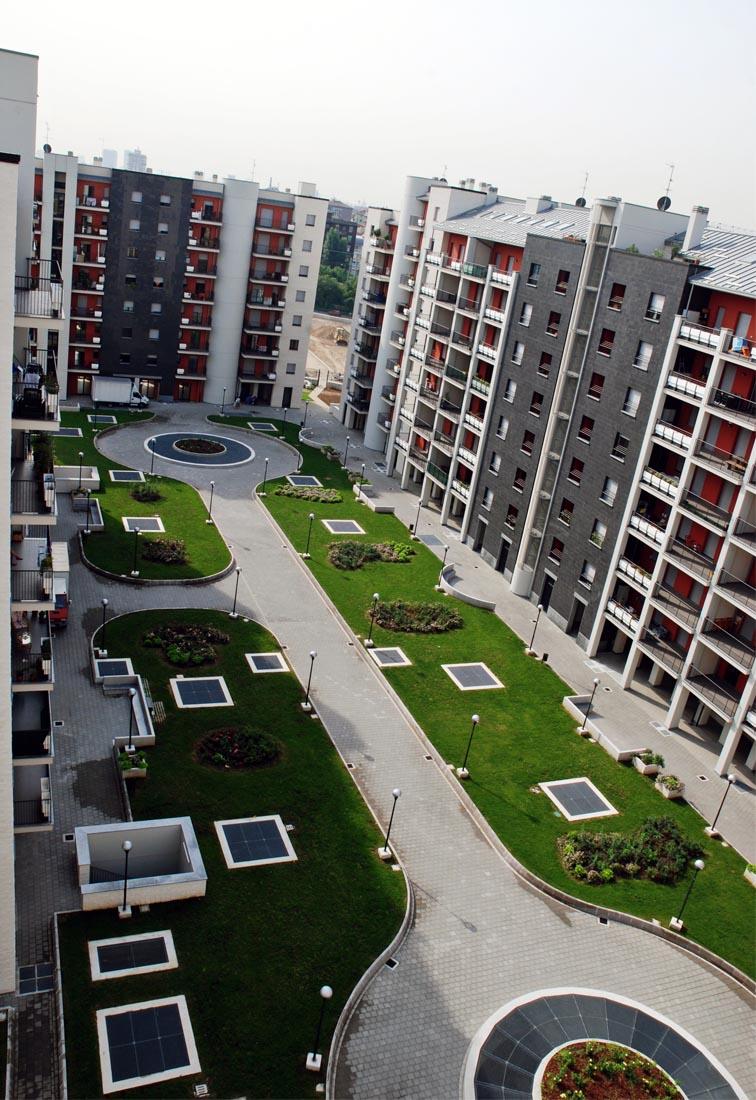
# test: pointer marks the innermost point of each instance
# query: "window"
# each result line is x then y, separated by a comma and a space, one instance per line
162, 227
297, 320
533, 274
586, 429
655, 307
720, 318
307, 246
632, 402
617, 296
127, 333
606, 343
310, 219
598, 534
545, 364
301, 295
563, 279
291, 368
154, 334
128, 307
517, 352
565, 512
555, 319
134, 224
526, 313
576, 471
130, 280
519, 480
160, 256
743, 324
512, 514
556, 551
587, 574
596, 386
502, 427
621, 447
155, 307
165, 200
488, 499
609, 492
495, 462
136, 196
132, 252
643, 355
125, 357
510, 390
528, 442
158, 282
293, 345
152, 360
304, 271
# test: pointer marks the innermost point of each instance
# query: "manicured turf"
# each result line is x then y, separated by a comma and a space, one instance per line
255, 951
181, 510
524, 737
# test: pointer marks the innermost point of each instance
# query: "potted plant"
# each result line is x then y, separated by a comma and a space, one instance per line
670, 786
648, 763
133, 765
750, 873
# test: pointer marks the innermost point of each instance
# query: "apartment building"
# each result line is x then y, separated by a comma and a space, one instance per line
515, 363
202, 289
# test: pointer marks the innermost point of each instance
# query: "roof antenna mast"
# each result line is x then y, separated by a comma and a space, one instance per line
665, 201
581, 200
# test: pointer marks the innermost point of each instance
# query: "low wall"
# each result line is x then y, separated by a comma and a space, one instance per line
67, 478
448, 576
575, 705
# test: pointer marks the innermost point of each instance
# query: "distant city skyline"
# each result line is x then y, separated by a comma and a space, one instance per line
355, 103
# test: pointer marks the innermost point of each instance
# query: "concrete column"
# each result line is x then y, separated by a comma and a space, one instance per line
656, 675
631, 664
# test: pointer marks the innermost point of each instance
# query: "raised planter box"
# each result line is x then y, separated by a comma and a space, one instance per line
645, 769
670, 792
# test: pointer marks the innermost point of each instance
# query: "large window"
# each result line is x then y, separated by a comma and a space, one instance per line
655, 307
534, 274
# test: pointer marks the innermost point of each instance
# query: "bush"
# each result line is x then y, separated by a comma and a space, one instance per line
165, 551
147, 492
310, 492
238, 747
186, 644
199, 446
657, 850
350, 554
417, 618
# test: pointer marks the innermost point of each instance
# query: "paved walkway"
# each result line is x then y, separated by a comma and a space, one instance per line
481, 937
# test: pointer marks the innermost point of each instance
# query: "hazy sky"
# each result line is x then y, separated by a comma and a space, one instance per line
355, 96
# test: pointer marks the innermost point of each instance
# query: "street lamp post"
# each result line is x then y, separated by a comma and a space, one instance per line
126, 846
441, 571
711, 830
307, 705
530, 649
265, 480
285, 412
210, 509
346, 452
362, 478
415, 535
223, 402
462, 772
132, 693
369, 639
102, 639
86, 529
583, 728
309, 536
676, 923
81, 459
134, 570
304, 418
152, 459
232, 614
314, 1059
385, 852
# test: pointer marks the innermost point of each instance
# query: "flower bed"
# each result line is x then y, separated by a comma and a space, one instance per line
417, 618
199, 446
238, 747
310, 492
165, 551
186, 643
350, 554
605, 1071
657, 850
147, 492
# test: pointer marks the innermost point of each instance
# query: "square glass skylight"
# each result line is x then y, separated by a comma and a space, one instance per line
304, 481
126, 955
578, 799
262, 426
144, 1043
474, 676
390, 657
254, 841
200, 691
113, 666
126, 475
143, 523
99, 418
266, 662
343, 527
70, 433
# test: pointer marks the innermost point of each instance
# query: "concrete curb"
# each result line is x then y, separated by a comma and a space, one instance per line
148, 582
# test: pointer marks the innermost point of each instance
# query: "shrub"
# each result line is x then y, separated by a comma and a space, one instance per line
199, 446
651, 758
310, 492
186, 643
350, 554
147, 492
165, 551
656, 850
238, 747
417, 618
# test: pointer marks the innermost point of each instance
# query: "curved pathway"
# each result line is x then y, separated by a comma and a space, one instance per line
481, 937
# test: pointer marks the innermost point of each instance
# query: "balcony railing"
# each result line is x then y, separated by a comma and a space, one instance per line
671, 434
698, 334
461, 488
745, 531
705, 510
32, 498
735, 646
450, 407
665, 483
626, 616
31, 811
32, 400
738, 589
663, 651
481, 385
444, 441
429, 395
647, 527
734, 403
713, 691
722, 460
38, 297
690, 558
680, 607
455, 373
438, 473
634, 572
31, 668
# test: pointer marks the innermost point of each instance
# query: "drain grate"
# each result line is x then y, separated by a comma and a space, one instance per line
68, 838
703, 778
391, 964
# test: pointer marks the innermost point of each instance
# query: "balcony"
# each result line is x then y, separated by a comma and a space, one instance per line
663, 483
647, 527
38, 297
444, 442
388, 394
683, 383
417, 353
461, 489
394, 367
435, 364
438, 473
474, 422
382, 244
698, 334
265, 224
359, 404
481, 385
33, 402
722, 461
741, 407
670, 434
32, 671
666, 653
440, 330
488, 350
268, 277
713, 691
398, 338
429, 395
208, 243
266, 301
32, 802
32, 590
363, 378
704, 510
468, 305
677, 607
504, 278
720, 632
468, 457
376, 271
418, 456
452, 410
634, 572
688, 555
377, 300
493, 315
366, 352
463, 342
738, 590
745, 532
455, 374
33, 501
625, 615
262, 351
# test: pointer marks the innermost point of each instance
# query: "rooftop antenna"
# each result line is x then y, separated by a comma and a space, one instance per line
47, 133
665, 201
581, 201
254, 166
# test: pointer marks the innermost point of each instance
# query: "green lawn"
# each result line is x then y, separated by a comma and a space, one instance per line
524, 737
255, 951
181, 510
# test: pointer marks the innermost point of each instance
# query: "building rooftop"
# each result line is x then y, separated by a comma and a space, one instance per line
507, 221
727, 260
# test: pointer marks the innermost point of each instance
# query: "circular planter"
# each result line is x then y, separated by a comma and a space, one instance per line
203, 447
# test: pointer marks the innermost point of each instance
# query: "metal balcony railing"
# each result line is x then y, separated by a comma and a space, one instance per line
29, 811
31, 586
713, 691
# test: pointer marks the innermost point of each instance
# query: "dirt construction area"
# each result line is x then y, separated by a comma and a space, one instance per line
326, 357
